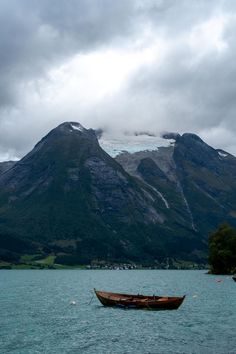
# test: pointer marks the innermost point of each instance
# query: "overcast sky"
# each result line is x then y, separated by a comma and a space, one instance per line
127, 65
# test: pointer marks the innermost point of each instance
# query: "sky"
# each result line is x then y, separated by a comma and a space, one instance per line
123, 66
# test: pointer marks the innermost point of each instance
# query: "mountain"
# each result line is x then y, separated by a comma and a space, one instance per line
69, 198
6, 165
192, 177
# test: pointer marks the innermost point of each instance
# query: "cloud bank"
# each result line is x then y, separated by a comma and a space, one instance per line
121, 65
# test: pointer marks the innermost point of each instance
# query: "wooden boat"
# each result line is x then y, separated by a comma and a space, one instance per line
139, 301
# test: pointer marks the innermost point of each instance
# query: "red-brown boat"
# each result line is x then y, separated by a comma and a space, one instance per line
139, 301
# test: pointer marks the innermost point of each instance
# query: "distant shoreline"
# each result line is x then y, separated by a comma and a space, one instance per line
40, 261
81, 267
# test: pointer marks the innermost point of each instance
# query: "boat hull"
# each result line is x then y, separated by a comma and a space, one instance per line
139, 301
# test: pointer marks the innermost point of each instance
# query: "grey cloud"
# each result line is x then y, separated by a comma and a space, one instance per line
174, 17
37, 34
182, 94
195, 95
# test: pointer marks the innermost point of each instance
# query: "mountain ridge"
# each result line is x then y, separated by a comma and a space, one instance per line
177, 164
68, 197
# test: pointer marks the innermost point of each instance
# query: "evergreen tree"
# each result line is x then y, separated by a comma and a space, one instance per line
222, 250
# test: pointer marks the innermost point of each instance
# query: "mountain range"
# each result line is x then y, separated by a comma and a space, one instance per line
68, 197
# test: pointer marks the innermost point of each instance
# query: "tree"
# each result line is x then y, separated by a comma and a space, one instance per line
222, 250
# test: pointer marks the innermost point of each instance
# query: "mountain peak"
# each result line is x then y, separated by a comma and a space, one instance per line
190, 147
69, 131
191, 137
71, 126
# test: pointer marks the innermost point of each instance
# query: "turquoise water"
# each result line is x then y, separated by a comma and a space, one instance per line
36, 315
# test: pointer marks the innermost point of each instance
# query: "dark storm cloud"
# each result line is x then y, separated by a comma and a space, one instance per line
34, 35
192, 89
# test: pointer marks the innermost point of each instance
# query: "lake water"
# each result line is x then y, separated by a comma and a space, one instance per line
36, 315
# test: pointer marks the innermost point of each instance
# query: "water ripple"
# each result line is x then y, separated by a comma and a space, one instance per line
37, 315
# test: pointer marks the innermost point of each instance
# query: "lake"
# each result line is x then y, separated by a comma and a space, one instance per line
36, 315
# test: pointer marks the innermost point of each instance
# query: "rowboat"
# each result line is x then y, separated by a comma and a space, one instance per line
139, 301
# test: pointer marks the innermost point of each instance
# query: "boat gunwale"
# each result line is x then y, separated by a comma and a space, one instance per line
136, 297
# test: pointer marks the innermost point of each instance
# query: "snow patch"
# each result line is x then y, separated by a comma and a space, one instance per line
221, 154
78, 127
162, 197
187, 206
114, 145
189, 211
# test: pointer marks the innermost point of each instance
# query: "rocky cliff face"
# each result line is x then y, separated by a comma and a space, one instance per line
68, 188
70, 198
196, 180
4, 166
69, 160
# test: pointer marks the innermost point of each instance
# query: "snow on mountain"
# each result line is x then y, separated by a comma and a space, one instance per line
222, 154
114, 145
77, 126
